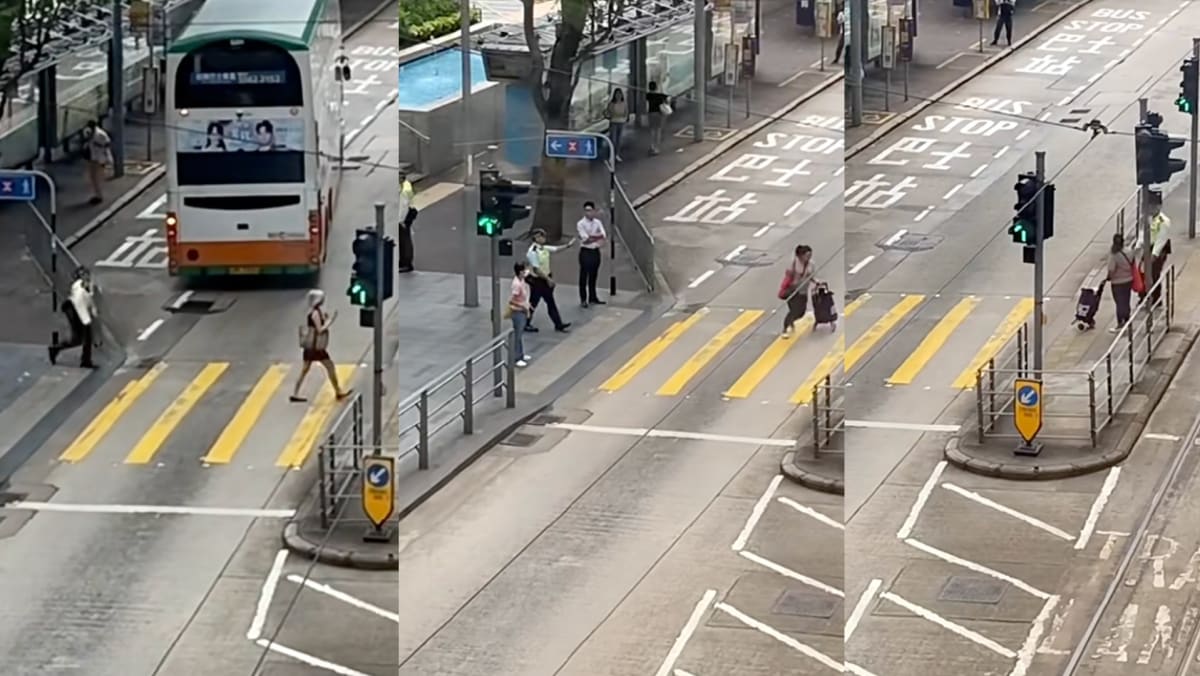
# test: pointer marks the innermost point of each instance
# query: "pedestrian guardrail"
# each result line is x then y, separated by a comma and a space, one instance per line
1077, 403
458, 395
634, 236
828, 416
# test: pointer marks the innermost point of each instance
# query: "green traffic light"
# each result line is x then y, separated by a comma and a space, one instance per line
1184, 105
487, 225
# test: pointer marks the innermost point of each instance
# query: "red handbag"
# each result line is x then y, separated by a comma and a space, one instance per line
1139, 282
787, 287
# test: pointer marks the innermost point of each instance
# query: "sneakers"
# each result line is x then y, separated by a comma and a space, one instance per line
522, 363
787, 333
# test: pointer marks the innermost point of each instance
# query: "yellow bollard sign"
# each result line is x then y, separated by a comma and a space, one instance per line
378, 488
1027, 408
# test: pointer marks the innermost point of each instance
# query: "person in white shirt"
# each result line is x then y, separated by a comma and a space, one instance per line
541, 281
80, 309
1160, 239
843, 23
99, 158
592, 237
1004, 12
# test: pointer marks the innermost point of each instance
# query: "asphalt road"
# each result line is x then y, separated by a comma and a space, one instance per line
197, 419
957, 573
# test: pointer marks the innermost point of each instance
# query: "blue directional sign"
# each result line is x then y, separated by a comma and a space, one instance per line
378, 488
1027, 409
379, 476
1028, 396
17, 187
572, 146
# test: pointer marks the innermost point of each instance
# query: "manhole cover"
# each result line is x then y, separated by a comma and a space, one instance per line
969, 589
912, 241
193, 306
546, 419
521, 439
750, 258
804, 604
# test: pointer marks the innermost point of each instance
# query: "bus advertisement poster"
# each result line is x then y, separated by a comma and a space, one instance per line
247, 134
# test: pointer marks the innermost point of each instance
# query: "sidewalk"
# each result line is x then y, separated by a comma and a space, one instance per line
945, 52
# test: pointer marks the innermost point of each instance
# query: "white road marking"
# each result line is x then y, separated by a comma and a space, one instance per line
979, 170
1138, 42
861, 264
673, 434
151, 212
735, 253
978, 568
896, 237
860, 609
809, 511
755, 514
701, 279
344, 597
950, 193
818, 187
1078, 90
922, 498
350, 137
857, 670
912, 427
149, 330
763, 230
182, 300
1089, 525
793, 78
1045, 116
150, 509
686, 633
381, 105
792, 209
1124, 53
1000, 153
781, 637
840, 170
1004, 509
265, 596
1065, 100
681, 672
1029, 648
921, 216
1096, 76
435, 193
1023, 134
1161, 437
788, 572
948, 61
970, 635
308, 659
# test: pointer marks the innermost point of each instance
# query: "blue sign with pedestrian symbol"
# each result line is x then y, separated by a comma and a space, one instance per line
572, 146
17, 186
378, 488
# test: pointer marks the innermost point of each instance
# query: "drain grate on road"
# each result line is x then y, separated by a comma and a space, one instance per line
754, 258
800, 603
913, 241
521, 439
972, 589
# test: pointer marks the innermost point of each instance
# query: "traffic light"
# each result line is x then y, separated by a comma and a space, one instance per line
488, 220
1189, 83
510, 211
487, 224
1144, 148
362, 289
1024, 223
1152, 151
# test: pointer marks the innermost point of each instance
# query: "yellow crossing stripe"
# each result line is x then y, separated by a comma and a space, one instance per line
1016, 317
704, 355
804, 393
934, 340
880, 328
305, 436
251, 410
154, 437
651, 352
767, 361
91, 435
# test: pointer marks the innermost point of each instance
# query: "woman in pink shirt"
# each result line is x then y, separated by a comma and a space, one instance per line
519, 306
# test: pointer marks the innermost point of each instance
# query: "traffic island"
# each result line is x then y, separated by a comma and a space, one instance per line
1064, 459
824, 471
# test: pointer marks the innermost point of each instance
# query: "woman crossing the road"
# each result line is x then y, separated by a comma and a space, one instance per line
314, 342
794, 288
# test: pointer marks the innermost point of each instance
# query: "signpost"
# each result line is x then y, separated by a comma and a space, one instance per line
582, 145
378, 496
18, 186
1027, 414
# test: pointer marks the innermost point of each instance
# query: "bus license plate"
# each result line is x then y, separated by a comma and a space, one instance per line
243, 271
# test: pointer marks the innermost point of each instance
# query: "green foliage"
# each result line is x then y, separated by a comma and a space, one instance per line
8, 12
422, 20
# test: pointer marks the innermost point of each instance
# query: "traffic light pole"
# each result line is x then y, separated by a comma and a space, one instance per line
1039, 264
494, 255
1192, 174
377, 381
1144, 198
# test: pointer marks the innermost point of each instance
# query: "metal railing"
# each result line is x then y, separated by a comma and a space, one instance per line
456, 395
1077, 403
828, 416
634, 236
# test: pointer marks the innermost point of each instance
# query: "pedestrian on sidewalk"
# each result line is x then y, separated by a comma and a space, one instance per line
80, 310
405, 245
519, 310
843, 28
1004, 12
314, 343
98, 153
617, 114
1120, 278
592, 237
659, 109
541, 281
794, 288
1160, 240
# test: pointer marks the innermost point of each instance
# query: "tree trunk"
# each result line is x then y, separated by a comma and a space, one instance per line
548, 211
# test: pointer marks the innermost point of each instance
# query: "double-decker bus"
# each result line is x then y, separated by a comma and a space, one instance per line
253, 119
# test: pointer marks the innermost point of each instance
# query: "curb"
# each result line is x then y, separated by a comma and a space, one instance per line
812, 480
724, 146
120, 203
295, 541
890, 125
955, 455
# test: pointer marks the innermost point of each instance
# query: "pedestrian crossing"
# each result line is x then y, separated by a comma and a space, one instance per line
895, 340
211, 414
